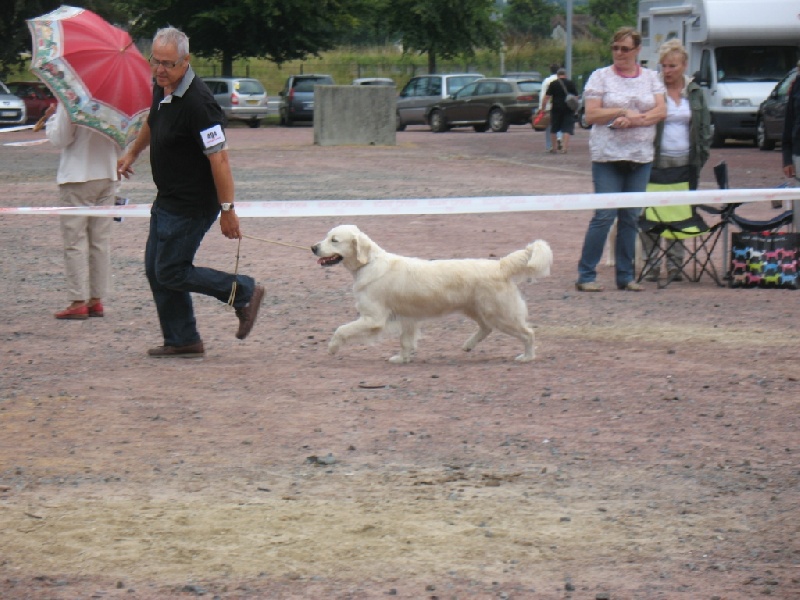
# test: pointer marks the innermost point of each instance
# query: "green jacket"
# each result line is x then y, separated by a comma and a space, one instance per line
699, 129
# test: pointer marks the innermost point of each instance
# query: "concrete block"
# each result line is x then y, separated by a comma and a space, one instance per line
354, 115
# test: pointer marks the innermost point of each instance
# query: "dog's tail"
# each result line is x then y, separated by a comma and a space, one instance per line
533, 261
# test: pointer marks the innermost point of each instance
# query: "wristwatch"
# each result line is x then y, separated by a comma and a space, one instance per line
226, 206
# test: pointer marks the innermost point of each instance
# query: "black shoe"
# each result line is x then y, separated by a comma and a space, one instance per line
249, 313
195, 350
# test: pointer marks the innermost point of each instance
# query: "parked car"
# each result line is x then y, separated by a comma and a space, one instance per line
242, 99
527, 75
492, 103
420, 93
373, 81
36, 95
772, 112
12, 108
297, 98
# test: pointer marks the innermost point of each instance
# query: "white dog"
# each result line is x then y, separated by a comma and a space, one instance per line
408, 290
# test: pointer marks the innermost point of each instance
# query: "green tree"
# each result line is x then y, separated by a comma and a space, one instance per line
610, 15
442, 28
279, 30
531, 18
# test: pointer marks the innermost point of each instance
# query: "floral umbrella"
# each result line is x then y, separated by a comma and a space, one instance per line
94, 69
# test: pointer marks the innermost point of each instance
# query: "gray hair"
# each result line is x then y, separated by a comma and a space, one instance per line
174, 37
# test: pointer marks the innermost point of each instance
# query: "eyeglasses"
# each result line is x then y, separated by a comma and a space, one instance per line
167, 64
614, 48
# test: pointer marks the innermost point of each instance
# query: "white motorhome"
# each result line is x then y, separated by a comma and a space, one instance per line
738, 51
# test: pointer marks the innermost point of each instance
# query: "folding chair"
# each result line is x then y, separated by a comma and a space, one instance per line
682, 227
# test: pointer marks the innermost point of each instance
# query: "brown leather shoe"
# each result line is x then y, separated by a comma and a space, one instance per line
249, 313
188, 351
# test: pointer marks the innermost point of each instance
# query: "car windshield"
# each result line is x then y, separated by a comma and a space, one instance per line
456, 83
754, 63
250, 87
466, 91
530, 86
307, 84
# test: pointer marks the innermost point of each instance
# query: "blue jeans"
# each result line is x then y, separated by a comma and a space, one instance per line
171, 246
611, 178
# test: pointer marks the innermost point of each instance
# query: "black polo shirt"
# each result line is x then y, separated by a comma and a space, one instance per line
184, 129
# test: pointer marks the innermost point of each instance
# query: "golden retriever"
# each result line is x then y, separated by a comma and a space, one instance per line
389, 287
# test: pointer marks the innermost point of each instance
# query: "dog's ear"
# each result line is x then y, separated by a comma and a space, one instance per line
363, 245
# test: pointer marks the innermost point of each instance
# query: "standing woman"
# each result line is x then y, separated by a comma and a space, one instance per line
683, 142
624, 102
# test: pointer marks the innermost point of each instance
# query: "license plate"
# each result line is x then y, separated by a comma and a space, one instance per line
308, 105
8, 113
252, 101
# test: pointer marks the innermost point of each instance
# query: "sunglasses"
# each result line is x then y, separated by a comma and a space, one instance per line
623, 49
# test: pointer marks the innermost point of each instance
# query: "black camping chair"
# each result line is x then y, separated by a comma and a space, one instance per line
683, 228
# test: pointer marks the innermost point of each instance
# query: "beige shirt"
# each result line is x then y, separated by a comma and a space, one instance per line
85, 154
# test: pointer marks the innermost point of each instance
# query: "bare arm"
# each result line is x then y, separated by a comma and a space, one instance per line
223, 182
125, 163
624, 118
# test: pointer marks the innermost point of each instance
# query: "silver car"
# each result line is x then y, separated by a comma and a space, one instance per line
241, 99
12, 108
423, 91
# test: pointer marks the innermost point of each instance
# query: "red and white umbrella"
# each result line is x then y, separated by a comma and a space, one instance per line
94, 69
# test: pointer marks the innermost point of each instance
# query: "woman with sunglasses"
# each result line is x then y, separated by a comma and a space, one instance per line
624, 103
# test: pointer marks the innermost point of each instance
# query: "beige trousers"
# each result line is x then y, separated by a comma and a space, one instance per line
87, 240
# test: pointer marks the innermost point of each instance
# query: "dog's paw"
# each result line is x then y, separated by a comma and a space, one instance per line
524, 358
399, 359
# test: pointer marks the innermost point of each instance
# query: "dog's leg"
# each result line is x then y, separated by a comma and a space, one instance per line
484, 329
408, 341
510, 317
362, 328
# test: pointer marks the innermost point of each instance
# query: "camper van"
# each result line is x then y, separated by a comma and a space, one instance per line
738, 51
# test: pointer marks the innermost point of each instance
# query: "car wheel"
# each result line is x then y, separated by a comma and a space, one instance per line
254, 123
399, 125
480, 128
437, 123
498, 121
287, 120
761, 137
281, 119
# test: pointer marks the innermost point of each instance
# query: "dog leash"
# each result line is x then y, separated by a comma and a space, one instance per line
239, 247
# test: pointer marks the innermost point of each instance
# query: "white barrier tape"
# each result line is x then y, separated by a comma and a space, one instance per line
441, 206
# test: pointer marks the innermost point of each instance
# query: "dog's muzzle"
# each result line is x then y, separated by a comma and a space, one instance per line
326, 261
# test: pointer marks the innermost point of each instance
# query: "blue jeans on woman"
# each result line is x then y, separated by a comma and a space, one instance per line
171, 247
614, 178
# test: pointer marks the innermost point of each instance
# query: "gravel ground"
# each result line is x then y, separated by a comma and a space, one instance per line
650, 452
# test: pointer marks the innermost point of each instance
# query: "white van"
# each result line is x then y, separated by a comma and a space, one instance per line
738, 51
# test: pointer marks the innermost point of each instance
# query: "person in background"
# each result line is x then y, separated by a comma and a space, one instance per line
87, 176
562, 117
790, 142
623, 102
548, 145
682, 145
189, 160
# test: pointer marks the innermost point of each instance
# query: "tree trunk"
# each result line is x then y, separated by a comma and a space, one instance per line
431, 61
227, 64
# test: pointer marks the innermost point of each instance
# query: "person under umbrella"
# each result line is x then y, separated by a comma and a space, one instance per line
87, 176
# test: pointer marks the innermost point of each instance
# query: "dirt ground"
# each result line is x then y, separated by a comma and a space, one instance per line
650, 452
